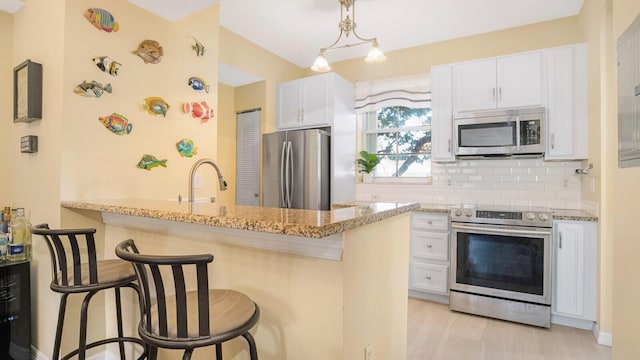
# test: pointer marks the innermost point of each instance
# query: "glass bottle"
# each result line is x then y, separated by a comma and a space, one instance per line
18, 236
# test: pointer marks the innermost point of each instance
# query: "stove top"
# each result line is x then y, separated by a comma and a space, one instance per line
503, 215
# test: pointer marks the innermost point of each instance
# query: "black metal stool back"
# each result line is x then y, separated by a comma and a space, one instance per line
76, 269
175, 317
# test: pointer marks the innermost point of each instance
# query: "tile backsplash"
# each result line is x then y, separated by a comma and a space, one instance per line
516, 182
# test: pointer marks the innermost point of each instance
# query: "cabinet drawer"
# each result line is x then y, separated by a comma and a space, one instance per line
430, 221
429, 277
430, 245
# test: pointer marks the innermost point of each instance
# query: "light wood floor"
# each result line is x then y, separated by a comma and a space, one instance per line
435, 332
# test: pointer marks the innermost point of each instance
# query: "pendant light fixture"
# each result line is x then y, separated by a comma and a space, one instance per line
347, 25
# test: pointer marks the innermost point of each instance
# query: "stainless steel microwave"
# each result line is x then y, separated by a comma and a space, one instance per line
500, 132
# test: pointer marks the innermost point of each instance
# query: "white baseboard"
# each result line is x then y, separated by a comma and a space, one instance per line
602, 337
572, 322
37, 355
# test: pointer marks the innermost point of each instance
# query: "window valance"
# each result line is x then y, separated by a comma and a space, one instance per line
409, 91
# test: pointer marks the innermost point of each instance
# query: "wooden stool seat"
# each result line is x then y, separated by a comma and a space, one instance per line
176, 318
111, 272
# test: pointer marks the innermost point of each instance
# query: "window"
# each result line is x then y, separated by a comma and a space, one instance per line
401, 136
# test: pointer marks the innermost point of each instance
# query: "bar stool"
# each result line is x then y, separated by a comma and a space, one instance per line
187, 319
80, 272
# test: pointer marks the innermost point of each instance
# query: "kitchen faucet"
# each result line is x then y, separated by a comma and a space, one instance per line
192, 176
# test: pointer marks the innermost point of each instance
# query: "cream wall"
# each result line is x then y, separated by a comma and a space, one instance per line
6, 103
624, 212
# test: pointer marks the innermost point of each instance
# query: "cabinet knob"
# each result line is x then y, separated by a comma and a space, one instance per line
428, 277
429, 222
429, 246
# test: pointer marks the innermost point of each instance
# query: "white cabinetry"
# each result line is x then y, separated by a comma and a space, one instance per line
567, 122
502, 82
310, 102
429, 260
442, 114
575, 277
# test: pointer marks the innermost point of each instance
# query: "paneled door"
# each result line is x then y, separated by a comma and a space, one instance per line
248, 158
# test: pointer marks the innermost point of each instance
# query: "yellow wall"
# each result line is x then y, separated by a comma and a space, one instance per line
6, 103
418, 60
226, 120
78, 157
624, 212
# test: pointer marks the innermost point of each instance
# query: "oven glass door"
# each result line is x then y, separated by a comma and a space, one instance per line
502, 261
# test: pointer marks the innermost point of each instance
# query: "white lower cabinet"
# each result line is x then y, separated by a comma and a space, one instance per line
429, 258
575, 276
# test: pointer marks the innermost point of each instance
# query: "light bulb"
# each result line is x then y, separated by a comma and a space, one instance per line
375, 55
321, 64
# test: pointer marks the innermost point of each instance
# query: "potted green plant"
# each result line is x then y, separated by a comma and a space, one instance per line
367, 163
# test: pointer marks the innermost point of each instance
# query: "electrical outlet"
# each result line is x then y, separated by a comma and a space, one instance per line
197, 183
368, 352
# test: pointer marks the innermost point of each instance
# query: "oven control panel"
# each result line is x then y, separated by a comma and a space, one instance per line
491, 215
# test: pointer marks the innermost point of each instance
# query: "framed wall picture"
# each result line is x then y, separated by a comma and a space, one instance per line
27, 92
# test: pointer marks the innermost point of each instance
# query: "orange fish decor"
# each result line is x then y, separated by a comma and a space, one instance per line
101, 19
116, 123
149, 51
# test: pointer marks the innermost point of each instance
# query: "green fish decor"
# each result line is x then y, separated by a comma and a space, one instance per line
148, 162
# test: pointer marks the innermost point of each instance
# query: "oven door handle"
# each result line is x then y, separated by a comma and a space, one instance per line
500, 230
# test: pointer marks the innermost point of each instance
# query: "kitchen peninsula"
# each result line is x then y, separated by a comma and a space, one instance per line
330, 284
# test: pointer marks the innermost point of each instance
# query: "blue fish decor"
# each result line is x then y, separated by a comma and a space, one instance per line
186, 148
92, 89
148, 162
198, 84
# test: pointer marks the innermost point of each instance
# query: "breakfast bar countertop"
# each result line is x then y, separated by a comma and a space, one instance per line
296, 222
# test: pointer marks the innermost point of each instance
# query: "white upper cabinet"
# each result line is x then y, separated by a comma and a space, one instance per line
442, 114
502, 82
305, 103
567, 106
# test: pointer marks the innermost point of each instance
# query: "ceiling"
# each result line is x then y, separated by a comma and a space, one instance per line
296, 29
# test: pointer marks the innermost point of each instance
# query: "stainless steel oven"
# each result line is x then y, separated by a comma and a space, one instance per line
501, 264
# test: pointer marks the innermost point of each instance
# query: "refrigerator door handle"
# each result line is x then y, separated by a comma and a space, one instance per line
283, 174
289, 172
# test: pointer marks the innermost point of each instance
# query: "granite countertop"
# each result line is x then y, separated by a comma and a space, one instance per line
558, 214
305, 223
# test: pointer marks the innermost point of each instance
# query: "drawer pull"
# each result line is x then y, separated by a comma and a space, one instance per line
429, 222
429, 246
428, 277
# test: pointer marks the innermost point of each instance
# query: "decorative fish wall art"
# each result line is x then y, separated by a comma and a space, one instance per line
92, 89
199, 110
156, 105
116, 123
150, 51
148, 162
101, 19
197, 47
198, 84
186, 148
107, 65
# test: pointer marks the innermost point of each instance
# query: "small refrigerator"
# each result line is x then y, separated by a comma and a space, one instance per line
296, 169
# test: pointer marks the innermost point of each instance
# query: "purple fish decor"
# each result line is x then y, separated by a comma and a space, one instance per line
116, 123
101, 19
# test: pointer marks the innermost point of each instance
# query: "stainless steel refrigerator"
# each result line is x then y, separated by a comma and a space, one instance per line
295, 169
